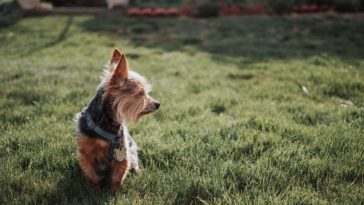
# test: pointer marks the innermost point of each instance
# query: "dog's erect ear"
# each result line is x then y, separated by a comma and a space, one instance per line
121, 70
116, 56
115, 59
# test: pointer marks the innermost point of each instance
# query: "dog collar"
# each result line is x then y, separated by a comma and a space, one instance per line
93, 126
117, 152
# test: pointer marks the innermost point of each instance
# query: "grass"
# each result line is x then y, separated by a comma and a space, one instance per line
235, 126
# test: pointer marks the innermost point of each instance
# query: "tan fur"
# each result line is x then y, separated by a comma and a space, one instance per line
92, 151
134, 100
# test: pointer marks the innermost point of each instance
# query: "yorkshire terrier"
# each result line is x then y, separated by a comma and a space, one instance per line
105, 147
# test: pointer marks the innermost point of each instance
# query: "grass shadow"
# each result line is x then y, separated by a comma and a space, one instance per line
73, 189
10, 13
247, 39
61, 37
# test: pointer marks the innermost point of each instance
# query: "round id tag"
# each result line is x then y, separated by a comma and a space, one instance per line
119, 154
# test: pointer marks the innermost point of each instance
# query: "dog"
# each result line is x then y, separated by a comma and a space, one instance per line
105, 148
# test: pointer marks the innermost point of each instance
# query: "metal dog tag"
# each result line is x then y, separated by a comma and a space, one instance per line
119, 154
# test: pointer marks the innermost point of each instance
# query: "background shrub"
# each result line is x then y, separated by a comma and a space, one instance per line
280, 6
347, 5
208, 9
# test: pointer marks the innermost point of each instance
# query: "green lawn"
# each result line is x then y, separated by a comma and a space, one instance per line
235, 126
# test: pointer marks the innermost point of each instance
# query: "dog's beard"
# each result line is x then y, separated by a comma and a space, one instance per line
129, 111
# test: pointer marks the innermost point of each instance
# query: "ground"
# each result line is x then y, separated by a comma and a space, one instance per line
254, 110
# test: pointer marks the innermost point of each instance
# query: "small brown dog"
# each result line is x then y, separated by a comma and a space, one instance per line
105, 147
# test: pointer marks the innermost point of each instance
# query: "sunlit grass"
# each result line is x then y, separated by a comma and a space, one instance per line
235, 126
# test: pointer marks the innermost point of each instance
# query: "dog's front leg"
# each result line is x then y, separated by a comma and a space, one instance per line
133, 155
89, 170
119, 171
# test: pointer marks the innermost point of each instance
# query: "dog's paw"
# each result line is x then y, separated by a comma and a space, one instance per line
136, 170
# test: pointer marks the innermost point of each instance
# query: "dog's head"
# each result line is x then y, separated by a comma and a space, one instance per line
126, 91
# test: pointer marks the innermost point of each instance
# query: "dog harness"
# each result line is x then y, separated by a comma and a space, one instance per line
115, 150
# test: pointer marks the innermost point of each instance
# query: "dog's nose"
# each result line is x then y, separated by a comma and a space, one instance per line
157, 105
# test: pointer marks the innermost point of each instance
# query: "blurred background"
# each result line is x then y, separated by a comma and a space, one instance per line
202, 8
262, 102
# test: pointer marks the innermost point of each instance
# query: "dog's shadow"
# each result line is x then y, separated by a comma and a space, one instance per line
73, 189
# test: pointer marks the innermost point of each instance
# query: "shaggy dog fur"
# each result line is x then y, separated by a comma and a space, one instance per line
122, 98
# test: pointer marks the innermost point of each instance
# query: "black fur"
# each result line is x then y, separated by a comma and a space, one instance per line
101, 114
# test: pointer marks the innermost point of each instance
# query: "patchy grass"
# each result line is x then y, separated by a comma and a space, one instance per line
235, 126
